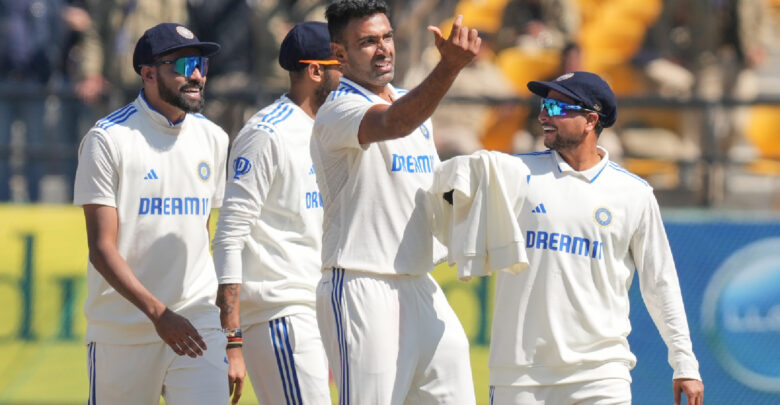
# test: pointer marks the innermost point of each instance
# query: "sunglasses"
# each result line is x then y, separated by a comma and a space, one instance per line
557, 108
186, 65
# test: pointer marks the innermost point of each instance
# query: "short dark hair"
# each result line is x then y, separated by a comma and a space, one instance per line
341, 12
598, 128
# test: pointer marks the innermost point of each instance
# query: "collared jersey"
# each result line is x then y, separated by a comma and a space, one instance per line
163, 178
565, 318
375, 219
270, 227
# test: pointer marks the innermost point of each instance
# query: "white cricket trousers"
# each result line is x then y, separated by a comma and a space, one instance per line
392, 340
286, 361
609, 391
139, 374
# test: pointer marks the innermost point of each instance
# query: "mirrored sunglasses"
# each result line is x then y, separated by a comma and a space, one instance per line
557, 108
186, 65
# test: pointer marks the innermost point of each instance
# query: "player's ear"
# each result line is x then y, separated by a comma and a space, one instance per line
148, 74
592, 120
339, 52
315, 71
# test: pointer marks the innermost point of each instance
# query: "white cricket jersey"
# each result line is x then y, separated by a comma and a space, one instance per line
163, 178
270, 226
375, 219
565, 318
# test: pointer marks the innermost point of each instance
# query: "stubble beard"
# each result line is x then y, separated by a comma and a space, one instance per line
322, 91
177, 98
560, 143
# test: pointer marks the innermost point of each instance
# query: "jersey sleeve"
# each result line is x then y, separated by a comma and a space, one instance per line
97, 177
338, 122
660, 289
220, 163
254, 161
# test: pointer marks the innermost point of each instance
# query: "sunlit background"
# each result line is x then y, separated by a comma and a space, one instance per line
698, 83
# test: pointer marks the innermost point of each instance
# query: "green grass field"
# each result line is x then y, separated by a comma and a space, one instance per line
42, 290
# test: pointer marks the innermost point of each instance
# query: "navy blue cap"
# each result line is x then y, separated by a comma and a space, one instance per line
164, 38
307, 41
587, 89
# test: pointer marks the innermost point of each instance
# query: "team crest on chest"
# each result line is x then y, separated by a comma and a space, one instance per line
204, 171
425, 131
603, 216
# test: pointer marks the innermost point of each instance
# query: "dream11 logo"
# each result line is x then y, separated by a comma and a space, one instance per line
741, 315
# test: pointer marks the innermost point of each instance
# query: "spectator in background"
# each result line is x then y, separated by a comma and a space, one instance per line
117, 24
30, 52
538, 24
83, 85
233, 24
738, 37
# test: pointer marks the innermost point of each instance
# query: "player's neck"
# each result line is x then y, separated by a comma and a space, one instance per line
303, 99
382, 91
583, 156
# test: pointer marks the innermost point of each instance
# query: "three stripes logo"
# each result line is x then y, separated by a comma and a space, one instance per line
151, 175
539, 209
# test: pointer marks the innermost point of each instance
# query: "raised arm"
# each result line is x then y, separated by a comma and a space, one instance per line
383, 122
102, 229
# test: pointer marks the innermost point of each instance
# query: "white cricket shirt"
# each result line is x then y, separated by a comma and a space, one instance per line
163, 178
374, 194
270, 226
565, 318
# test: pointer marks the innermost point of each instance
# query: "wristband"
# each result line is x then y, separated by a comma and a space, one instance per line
232, 332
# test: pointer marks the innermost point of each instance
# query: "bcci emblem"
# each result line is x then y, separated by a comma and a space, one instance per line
204, 171
425, 132
184, 32
603, 217
241, 166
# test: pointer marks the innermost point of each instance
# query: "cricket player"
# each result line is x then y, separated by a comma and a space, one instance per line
560, 328
148, 176
269, 235
389, 332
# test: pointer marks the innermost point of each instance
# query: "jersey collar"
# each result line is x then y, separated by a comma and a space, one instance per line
589, 174
368, 94
157, 117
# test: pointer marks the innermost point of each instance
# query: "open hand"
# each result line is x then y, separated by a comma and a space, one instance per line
236, 373
179, 334
693, 390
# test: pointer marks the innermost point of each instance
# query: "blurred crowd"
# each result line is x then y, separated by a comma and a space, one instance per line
690, 65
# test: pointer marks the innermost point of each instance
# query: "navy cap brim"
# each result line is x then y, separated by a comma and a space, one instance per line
206, 48
541, 89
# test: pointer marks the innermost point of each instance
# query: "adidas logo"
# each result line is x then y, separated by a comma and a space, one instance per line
539, 209
151, 175
311, 171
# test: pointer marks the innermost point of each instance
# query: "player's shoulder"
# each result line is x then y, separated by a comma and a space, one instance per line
535, 159
117, 121
347, 91
270, 121
625, 178
211, 126
276, 116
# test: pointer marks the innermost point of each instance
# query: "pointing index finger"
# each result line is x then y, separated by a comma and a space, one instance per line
456, 25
